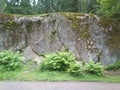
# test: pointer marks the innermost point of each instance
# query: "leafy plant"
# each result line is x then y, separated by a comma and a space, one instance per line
114, 66
75, 69
94, 68
59, 61
109, 7
10, 60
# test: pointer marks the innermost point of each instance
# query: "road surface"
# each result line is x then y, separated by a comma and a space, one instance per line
10, 85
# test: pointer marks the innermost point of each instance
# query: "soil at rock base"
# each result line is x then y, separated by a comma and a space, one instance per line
112, 73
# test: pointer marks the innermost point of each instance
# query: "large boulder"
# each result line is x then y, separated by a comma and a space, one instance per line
86, 36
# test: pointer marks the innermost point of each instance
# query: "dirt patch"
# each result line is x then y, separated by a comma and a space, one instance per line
112, 73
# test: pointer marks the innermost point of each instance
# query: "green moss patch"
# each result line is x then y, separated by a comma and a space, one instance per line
74, 17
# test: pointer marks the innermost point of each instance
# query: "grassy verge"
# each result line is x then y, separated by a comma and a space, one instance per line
29, 72
34, 75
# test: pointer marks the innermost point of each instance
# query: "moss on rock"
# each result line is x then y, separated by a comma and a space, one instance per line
113, 32
75, 18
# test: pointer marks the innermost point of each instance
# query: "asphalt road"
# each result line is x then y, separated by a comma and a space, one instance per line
8, 85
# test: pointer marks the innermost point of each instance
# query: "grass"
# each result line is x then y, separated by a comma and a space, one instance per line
34, 75
30, 73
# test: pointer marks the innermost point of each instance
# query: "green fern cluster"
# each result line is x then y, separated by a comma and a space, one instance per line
59, 61
93, 68
10, 60
114, 66
65, 61
75, 70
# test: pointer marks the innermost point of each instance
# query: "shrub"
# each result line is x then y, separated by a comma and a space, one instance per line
59, 61
75, 69
94, 68
10, 60
114, 66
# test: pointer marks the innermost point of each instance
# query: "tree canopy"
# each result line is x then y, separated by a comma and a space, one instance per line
101, 7
110, 7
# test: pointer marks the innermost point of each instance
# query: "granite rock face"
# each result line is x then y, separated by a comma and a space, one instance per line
86, 36
29, 55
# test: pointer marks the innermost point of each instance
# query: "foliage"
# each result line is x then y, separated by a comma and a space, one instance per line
49, 6
2, 5
28, 7
94, 68
75, 69
10, 60
59, 61
19, 7
109, 7
114, 66
65, 61
87, 6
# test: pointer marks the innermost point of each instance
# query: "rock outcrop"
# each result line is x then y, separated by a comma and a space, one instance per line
86, 36
29, 55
